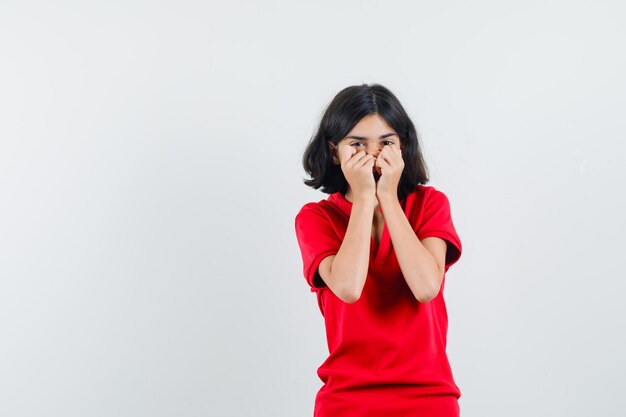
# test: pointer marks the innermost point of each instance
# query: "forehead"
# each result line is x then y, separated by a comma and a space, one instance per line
371, 125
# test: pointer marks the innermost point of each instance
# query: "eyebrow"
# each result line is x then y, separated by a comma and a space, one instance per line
386, 135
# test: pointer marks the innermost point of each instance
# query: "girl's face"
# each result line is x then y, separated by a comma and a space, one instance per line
370, 134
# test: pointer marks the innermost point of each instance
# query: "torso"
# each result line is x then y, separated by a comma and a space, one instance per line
387, 351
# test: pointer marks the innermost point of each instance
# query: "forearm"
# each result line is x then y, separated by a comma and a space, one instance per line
418, 266
351, 263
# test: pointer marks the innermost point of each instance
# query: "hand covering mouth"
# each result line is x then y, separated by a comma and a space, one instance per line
377, 172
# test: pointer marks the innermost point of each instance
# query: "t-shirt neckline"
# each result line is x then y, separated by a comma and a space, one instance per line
340, 200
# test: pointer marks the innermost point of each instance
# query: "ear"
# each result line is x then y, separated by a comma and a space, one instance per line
332, 148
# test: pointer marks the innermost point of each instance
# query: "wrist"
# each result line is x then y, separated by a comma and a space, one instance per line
365, 200
386, 198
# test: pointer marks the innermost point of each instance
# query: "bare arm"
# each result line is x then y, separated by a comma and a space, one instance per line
421, 262
346, 271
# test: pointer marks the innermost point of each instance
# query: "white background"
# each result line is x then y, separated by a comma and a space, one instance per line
150, 172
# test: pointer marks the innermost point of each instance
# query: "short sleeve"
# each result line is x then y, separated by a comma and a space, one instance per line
436, 221
317, 239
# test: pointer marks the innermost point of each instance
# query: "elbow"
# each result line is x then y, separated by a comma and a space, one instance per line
348, 290
424, 297
427, 295
350, 294
350, 297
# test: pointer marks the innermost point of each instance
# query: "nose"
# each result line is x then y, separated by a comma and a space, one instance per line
374, 149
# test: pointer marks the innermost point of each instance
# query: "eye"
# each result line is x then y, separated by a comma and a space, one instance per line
356, 143
389, 141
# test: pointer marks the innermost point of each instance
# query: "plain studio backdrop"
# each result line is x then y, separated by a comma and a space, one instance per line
150, 173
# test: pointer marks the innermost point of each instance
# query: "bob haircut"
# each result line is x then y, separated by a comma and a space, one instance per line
346, 109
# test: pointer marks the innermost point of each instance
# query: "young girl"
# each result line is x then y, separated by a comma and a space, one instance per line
375, 252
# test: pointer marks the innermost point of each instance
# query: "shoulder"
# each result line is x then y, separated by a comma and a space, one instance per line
312, 207
426, 194
426, 202
312, 211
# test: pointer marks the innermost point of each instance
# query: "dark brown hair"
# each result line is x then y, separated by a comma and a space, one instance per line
346, 109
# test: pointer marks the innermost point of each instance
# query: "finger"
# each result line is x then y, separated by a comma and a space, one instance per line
354, 161
377, 166
342, 156
358, 159
381, 162
398, 157
393, 155
353, 157
346, 154
385, 155
367, 160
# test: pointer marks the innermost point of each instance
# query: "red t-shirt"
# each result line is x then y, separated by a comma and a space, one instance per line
387, 351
